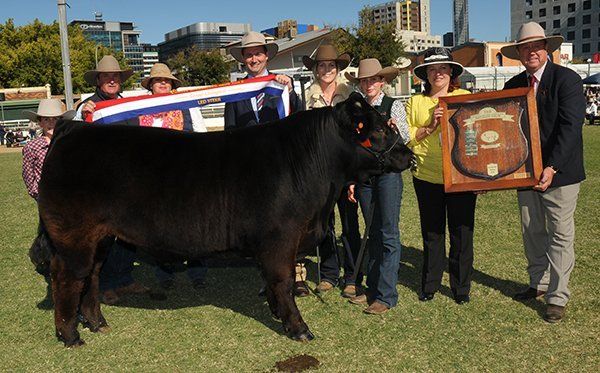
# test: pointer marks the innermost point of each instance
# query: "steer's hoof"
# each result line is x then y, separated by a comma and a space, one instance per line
104, 329
76, 343
305, 336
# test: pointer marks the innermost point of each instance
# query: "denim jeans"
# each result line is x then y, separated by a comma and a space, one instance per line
118, 266
196, 271
384, 236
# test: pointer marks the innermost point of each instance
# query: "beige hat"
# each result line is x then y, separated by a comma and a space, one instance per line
253, 39
372, 67
530, 32
327, 52
108, 64
160, 70
49, 107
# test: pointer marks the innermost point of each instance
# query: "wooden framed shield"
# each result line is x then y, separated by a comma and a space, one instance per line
490, 141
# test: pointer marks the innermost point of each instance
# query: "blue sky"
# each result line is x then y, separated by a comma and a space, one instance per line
488, 19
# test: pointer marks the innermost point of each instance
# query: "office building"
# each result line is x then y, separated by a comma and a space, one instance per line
411, 19
289, 28
119, 36
461, 22
204, 35
150, 56
578, 21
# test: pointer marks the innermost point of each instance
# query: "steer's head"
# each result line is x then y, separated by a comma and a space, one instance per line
379, 146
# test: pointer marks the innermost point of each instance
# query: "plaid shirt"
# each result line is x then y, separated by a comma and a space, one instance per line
34, 154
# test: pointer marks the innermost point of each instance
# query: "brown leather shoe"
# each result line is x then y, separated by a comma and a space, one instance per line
324, 286
349, 291
554, 313
133, 288
361, 300
376, 308
530, 293
301, 289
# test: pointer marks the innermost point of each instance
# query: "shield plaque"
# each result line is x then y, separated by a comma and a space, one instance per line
490, 141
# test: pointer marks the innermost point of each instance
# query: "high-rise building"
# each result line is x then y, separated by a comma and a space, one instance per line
412, 21
461, 22
578, 21
203, 35
150, 56
120, 36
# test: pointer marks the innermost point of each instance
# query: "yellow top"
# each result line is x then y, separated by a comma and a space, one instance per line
428, 152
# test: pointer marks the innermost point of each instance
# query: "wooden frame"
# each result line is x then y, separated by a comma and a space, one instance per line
498, 142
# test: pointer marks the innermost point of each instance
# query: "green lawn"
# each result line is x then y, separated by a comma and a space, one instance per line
227, 327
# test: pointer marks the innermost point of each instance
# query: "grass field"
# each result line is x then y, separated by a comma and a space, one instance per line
228, 328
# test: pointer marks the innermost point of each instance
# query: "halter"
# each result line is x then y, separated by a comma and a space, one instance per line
381, 156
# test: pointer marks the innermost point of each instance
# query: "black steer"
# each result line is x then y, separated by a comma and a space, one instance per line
266, 190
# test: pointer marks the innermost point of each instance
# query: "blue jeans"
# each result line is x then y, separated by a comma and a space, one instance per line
196, 271
384, 236
118, 266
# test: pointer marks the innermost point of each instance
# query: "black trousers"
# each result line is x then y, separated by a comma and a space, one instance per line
330, 265
459, 208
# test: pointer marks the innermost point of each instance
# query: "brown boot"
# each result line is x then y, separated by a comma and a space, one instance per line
324, 286
350, 291
361, 300
376, 308
301, 289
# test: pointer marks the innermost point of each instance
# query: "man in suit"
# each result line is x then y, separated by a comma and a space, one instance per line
547, 211
254, 52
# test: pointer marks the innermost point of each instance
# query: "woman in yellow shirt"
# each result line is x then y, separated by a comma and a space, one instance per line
440, 73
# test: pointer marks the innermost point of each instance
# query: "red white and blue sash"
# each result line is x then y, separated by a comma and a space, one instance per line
112, 111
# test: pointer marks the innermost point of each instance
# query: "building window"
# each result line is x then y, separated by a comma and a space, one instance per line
556, 23
585, 34
528, 2
543, 12
499, 59
587, 19
571, 35
543, 24
587, 4
542, 1
585, 48
222, 28
528, 14
571, 7
571, 21
556, 10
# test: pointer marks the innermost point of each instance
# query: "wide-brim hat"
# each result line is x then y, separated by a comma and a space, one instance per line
160, 70
372, 67
434, 56
49, 107
327, 52
253, 39
108, 64
530, 32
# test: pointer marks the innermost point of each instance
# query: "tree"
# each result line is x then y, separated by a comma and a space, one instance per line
31, 56
368, 40
195, 67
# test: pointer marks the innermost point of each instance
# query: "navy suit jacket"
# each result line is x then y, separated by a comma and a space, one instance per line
240, 114
561, 112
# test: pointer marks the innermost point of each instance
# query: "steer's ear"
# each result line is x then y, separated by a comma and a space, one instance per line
355, 112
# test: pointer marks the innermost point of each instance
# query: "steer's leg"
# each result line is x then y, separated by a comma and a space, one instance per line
278, 272
66, 293
90, 301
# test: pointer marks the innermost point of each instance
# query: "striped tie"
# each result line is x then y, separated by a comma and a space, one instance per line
260, 100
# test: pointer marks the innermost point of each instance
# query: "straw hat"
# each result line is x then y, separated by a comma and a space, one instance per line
435, 56
530, 32
49, 107
253, 39
372, 67
327, 52
160, 70
108, 64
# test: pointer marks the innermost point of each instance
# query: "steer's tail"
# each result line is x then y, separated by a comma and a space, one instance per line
41, 251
